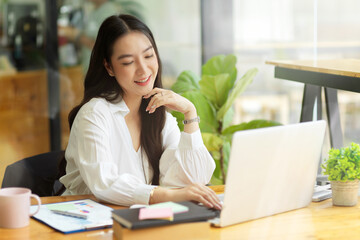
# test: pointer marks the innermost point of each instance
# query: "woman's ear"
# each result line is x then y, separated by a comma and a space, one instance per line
108, 68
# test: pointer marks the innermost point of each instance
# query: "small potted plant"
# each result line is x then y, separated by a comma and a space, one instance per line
343, 168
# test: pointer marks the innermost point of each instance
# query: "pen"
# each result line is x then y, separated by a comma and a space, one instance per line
70, 214
98, 226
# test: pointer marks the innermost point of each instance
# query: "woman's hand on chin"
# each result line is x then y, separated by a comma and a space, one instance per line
169, 99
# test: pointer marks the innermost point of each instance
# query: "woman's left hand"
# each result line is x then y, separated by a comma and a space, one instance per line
170, 99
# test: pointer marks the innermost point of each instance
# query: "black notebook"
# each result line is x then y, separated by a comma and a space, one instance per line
129, 218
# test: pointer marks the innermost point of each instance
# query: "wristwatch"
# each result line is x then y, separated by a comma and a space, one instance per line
197, 119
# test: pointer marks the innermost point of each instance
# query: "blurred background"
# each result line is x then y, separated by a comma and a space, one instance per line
45, 45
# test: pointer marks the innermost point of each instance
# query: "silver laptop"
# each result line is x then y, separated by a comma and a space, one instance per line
271, 170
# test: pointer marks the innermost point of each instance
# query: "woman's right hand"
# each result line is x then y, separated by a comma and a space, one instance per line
193, 192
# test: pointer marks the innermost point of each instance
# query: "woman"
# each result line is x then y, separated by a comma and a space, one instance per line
123, 146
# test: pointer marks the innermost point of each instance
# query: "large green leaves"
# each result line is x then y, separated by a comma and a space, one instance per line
215, 88
250, 125
240, 86
227, 120
221, 64
204, 109
187, 81
226, 153
218, 177
218, 77
179, 118
213, 97
212, 141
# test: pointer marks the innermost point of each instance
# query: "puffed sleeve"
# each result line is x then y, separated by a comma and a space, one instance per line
185, 159
98, 168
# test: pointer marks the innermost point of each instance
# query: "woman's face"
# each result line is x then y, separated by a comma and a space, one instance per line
134, 64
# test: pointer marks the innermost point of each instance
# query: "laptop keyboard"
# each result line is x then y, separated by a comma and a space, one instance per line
221, 197
216, 220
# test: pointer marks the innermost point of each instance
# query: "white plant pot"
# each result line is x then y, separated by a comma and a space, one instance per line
345, 193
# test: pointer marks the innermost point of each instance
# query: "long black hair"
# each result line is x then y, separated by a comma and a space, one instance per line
98, 83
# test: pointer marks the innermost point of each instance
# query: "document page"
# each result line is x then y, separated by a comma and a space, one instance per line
97, 215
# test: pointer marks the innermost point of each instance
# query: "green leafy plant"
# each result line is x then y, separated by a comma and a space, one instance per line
213, 96
343, 164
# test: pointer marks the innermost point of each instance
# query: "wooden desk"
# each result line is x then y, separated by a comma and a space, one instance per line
317, 221
343, 74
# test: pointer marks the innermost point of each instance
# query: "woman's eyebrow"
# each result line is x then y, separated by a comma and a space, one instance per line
148, 48
124, 56
130, 55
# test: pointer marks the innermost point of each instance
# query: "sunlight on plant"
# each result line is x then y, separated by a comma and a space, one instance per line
213, 96
343, 164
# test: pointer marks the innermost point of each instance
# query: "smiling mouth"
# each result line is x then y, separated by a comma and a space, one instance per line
145, 80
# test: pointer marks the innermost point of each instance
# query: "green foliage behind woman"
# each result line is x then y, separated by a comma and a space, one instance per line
213, 95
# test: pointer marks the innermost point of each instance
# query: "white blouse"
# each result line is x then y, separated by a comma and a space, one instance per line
101, 158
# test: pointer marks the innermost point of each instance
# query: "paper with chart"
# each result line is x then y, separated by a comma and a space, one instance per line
98, 215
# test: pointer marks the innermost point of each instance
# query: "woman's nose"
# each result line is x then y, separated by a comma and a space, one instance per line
141, 67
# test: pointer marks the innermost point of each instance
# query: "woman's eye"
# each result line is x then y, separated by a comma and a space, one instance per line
149, 56
127, 63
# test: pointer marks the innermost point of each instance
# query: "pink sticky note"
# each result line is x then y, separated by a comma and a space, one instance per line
156, 213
